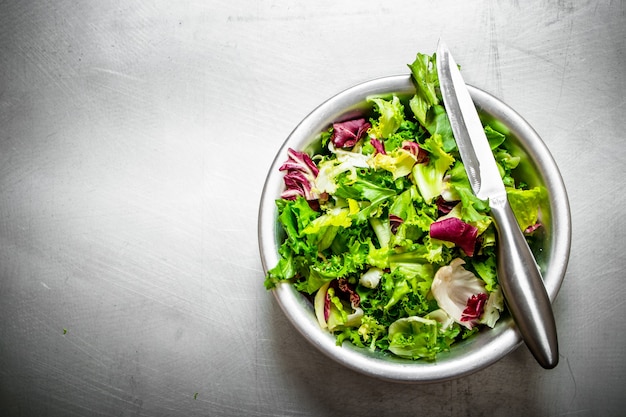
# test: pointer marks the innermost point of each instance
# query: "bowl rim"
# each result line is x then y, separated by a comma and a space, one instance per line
489, 345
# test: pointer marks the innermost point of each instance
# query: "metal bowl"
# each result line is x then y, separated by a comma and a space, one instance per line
489, 345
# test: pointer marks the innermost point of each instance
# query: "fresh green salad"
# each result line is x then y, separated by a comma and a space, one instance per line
384, 233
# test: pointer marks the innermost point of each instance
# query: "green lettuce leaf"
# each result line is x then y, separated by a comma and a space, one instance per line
525, 205
414, 337
429, 176
425, 104
494, 137
294, 216
424, 73
365, 190
391, 117
398, 162
486, 270
324, 228
471, 209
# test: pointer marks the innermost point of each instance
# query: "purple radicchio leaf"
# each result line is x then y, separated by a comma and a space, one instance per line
326, 306
530, 229
378, 146
421, 156
445, 206
300, 174
347, 134
474, 308
395, 222
348, 289
456, 231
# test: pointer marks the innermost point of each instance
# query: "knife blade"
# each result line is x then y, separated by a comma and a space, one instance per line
518, 274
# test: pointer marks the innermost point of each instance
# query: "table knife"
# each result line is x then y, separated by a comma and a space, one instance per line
518, 274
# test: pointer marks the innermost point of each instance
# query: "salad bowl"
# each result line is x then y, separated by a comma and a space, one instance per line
551, 249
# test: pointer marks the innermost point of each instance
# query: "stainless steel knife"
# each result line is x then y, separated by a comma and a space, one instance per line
518, 273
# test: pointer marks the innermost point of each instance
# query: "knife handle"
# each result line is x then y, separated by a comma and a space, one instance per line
523, 287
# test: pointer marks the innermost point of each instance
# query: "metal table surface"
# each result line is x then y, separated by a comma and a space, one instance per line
134, 142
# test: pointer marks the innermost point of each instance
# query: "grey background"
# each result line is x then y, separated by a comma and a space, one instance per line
135, 137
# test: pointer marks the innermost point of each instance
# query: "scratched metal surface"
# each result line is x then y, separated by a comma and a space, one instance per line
134, 141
